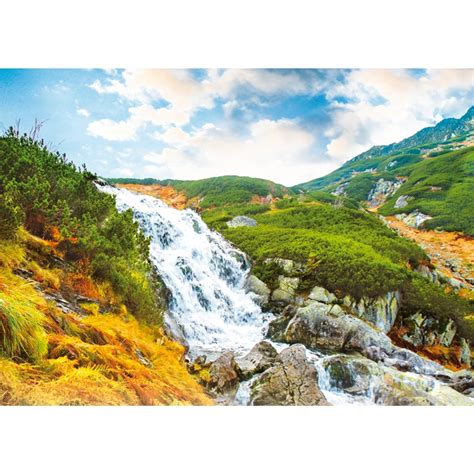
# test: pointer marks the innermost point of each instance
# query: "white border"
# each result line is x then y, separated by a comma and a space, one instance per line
205, 33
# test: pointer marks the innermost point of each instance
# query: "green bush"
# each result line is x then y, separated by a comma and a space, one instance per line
44, 189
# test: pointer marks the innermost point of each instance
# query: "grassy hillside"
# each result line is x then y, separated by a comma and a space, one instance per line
219, 191
434, 168
447, 133
80, 311
441, 187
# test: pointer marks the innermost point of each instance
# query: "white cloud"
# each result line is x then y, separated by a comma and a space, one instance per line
385, 106
184, 95
280, 150
83, 112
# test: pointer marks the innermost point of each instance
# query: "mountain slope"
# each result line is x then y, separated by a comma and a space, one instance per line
449, 131
429, 175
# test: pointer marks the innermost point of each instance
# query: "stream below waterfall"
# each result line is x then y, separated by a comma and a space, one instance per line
208, 308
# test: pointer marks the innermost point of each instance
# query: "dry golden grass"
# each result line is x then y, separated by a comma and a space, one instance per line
49, 357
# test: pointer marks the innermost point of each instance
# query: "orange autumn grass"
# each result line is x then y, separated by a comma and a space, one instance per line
48, 357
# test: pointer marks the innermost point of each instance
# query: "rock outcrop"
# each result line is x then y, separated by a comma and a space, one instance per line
381, 312
291, 381
242, 221
415, 219
316, 328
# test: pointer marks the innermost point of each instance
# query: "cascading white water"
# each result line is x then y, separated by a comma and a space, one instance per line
204, 273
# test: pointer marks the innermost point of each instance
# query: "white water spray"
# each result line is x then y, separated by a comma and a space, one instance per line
204, 273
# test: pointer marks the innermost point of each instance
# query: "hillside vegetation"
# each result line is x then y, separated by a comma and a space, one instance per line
434, 168
348, 251
80, 311
219, 191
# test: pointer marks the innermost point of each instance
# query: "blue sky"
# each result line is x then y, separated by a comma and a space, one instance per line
286, 125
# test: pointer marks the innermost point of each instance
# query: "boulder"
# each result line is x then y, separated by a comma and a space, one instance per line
318, 329
319, 293
288, 284
286, 291
242, 221
257, 286
447, 336
277, 326
223, 375
260, 358
291, 381
282, 297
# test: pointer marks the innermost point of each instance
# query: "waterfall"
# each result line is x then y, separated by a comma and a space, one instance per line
204, 274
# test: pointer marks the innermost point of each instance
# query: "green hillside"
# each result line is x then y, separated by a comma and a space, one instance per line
218, 191
434, 168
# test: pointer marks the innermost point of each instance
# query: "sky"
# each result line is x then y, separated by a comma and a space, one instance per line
289, 126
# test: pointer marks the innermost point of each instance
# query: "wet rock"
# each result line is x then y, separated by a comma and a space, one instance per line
291, 381
260, 358
257, 286
351, 374
223, 375
242, 221
319, 293
277, 327
360, 376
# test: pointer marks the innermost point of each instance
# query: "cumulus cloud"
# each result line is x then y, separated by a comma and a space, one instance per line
280, 150
377, 107
183, 94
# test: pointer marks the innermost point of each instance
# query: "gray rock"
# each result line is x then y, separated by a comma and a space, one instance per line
402, 202
291, 381
260, 358
282, 297
277, 327
381, 191
447, 336
415, 219
316, 328
242, 221
319, 293
288, 284
223, 374
381, 312
287, 266
257, 286
465, 352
